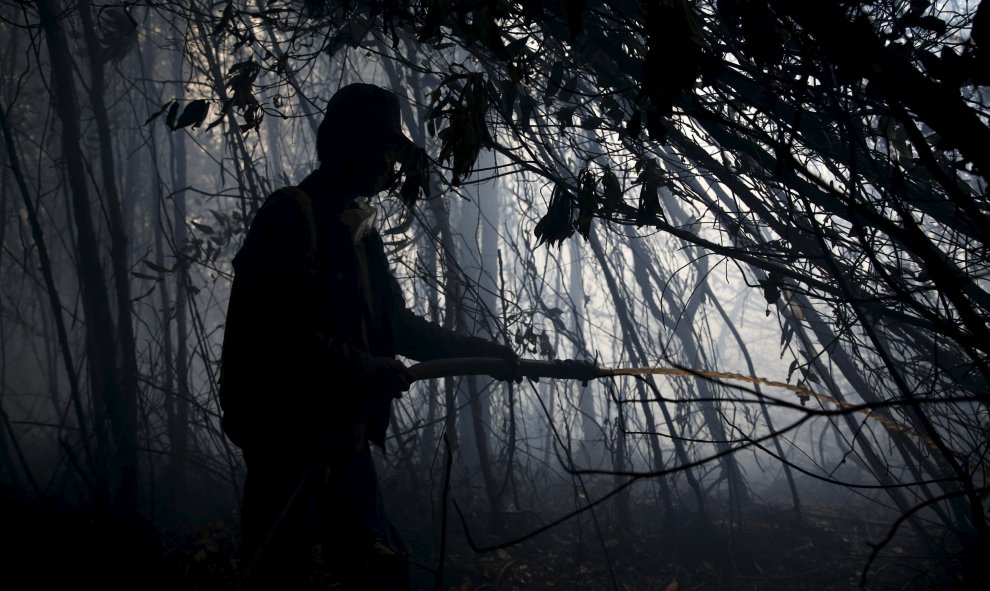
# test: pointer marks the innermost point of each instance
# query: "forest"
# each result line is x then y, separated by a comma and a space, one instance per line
751, 235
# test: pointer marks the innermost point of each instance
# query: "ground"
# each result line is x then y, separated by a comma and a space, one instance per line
766, 550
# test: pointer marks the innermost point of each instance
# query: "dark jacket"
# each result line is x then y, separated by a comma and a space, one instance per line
300, 334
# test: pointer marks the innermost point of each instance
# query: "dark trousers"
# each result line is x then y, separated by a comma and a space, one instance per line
316, 522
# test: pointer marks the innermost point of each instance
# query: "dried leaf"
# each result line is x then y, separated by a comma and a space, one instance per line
193, 115
173, 112
145, 276
556, 226
202, 227
156, 267
159, 112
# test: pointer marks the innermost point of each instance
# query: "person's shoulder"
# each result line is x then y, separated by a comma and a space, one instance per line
284, 207
282, 200
279, 222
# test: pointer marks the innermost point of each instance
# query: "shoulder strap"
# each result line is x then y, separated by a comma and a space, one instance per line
306, 207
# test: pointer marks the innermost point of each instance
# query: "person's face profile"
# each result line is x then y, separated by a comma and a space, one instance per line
383, 168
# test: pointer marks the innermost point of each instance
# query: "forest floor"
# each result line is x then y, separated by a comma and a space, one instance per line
46, 547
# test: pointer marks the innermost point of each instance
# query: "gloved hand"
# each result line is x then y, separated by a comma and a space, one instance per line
512, 373
385, 374
482, 348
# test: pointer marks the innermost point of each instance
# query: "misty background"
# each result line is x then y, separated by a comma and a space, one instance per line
778, 208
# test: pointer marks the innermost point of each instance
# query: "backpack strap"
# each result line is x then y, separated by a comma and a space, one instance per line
306, 207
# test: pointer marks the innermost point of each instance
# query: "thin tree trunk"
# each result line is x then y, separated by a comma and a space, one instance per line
123, 414
101, 345
179, 429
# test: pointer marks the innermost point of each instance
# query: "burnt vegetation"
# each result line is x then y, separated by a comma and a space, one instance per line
777, 208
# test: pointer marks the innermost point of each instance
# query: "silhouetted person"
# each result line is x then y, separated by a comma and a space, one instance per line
309, 370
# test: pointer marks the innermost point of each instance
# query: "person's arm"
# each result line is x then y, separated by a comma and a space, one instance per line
422, 340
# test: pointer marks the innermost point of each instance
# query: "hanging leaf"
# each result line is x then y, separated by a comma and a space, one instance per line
791, 369
253, 115
159, 112
565, 117
173, 112
553, 83
202, 227
771, 288
464, 107
526, 105
240, 79
221, 218
145, 276
587, 203
145, 294
591, 123
655, 123
517, 46
568, 89
556, 226
546, 347
785, 337
225, 19
487, 31
193, 115
510, 92
649, 197
156, 267
635, 125
612, 192
415, 171
931, 23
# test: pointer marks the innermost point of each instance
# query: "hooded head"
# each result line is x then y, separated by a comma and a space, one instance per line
361, 138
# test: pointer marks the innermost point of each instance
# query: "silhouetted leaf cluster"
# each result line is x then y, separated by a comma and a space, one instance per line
193, 115
240, 82
462, 100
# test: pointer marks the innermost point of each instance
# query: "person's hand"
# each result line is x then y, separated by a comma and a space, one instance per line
478, 347
511, 372
385, 374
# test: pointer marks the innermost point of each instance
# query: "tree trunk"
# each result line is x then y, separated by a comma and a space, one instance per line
101, 345
123, 413
178, 430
